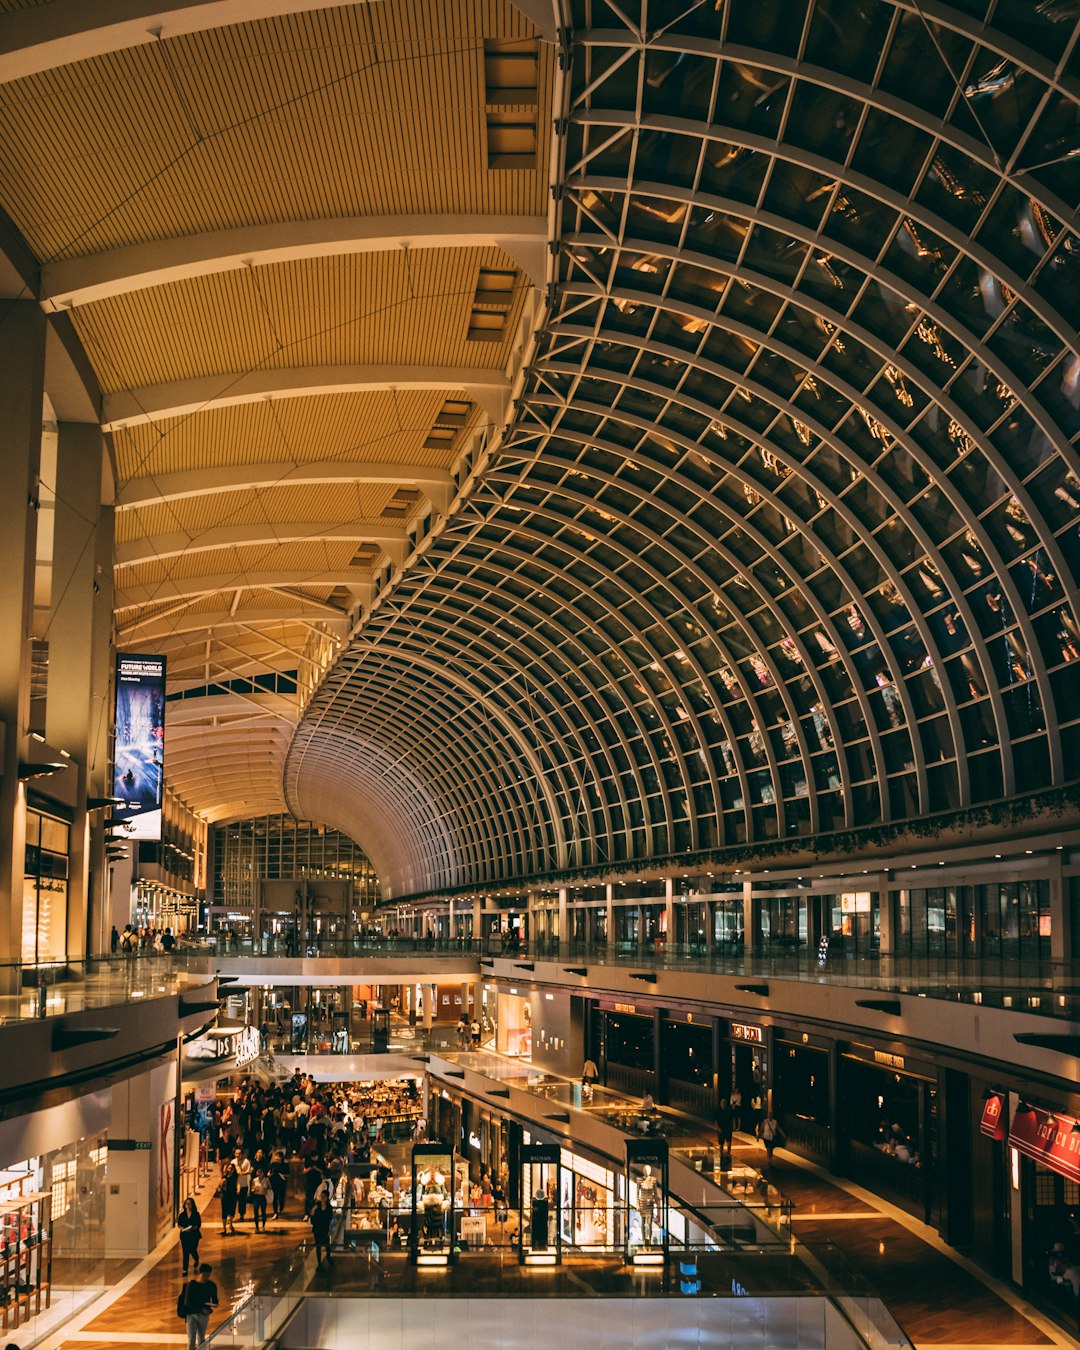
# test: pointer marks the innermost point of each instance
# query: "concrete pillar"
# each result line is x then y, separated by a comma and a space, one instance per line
751, 935
69, 718
709, 927
669, 912
563, 933
1060, 913
609, 911
22, 392
887, 912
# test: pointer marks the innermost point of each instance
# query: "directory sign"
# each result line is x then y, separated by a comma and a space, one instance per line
139, 744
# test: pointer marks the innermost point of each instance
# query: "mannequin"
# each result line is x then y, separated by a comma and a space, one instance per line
646, 1203
538, 1237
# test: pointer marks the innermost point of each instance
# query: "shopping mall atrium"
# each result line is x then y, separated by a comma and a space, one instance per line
539, 654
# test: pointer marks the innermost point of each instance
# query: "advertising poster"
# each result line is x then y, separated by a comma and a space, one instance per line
139, 748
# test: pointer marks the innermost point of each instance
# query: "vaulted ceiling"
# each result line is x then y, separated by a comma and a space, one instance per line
538, 453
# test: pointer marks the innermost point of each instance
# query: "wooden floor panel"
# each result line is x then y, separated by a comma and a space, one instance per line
933, 1298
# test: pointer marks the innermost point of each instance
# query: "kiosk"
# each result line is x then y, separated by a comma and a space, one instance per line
431, 1236
646, 1202
540, 1187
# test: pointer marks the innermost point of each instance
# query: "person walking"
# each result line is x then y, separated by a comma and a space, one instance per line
771, 1135
724, 1128
735, 1101
190, 1224
228, 1200
242, 1163
260, 1186
200, 1298
279, 1182
590, 1076
321, 1217
114, 940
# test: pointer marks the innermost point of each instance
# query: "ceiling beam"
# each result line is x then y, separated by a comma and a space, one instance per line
57, 34
167, 487
183, 398
99, 276
280, 706
392, 538
224, 620
190, 588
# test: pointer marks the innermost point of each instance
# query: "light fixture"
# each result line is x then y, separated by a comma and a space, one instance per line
1025, 1109
41, 769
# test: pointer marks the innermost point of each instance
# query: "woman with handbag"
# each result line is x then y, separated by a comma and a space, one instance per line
190, 1225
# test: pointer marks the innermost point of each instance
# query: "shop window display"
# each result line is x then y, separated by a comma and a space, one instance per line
541, 1192
647, 1204
433, 1218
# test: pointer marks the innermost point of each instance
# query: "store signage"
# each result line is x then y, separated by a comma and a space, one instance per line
139, 743
1048, 1138
994, 1118
474, 1139
890, 1061
743, 1031
247, 1046
626, 1007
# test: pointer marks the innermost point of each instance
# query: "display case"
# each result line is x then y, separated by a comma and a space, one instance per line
646, 1193
25, 1252
539, 1194
431, 1233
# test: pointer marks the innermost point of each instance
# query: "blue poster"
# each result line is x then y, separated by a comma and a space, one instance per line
139, 745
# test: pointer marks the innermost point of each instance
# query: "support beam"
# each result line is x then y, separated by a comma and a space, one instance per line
100, 276
131, 597
167, 487
180, 544
183, 398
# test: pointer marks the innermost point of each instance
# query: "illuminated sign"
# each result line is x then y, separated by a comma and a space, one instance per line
248, 1046
743, 1031
890, 1061
474, 1139
139, 743
626, 1007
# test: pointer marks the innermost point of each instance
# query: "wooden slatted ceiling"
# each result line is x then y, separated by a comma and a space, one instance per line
402, 307
380, 426
325, 502
363, 110
235, 564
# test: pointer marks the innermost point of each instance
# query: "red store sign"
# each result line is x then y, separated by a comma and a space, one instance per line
994, 1119
1049, 1139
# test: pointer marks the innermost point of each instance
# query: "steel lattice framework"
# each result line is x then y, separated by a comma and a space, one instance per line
782, 534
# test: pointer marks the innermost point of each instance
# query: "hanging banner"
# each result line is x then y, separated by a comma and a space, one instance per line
994, 1118
139, 745
1049, 1139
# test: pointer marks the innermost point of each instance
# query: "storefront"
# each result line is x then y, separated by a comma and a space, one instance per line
588, 1213
627, 1049
801, 1092
891, 1122
513, 1033
748, 1062
686, 1059
45, 887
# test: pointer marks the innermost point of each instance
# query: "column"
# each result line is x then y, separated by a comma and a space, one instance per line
710, 930
610, 916
751, 935
564, 933
22, 385
886, 908
1060, 913
669, 913
98, 776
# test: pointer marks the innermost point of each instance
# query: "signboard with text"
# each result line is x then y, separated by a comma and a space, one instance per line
1048, 1139
139, 746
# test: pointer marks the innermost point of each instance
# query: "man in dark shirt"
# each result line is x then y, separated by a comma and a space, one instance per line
201, 1297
